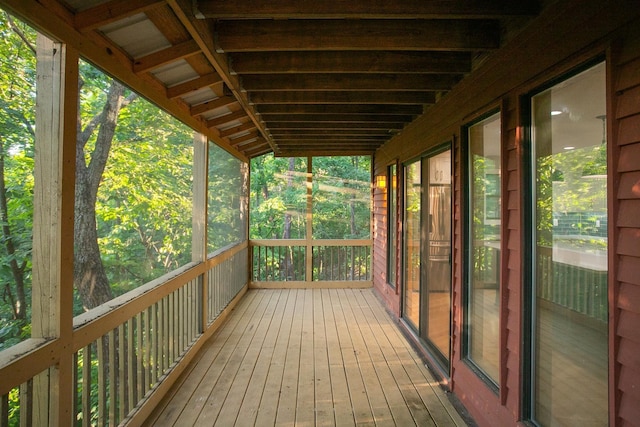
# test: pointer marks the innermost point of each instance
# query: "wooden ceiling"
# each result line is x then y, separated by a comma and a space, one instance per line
298, 77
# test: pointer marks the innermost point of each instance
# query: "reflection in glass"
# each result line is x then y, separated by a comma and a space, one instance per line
484, 257
392, 223
570, 306
438, 238
413, 190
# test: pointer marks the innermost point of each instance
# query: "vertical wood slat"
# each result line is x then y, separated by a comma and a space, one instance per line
131, 366
112, 368
148, 346
102, 386
4, 410
121, 369
86, 386
140, 345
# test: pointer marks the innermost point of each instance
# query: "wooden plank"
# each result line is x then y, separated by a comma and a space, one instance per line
246, 368
368, 109
286, 413
339, 387
111, 11
269, 402
173, 403
361, 410
181, 89
378, 387
220, 102
411, 9
256, 388
350, 62
227, 118
305, 403
323, 404
165, 56
629, 130
337, 118
344, 97
441, 409
348, 82
231, 342
302, 35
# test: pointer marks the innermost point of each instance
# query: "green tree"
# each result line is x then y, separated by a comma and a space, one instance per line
17, 138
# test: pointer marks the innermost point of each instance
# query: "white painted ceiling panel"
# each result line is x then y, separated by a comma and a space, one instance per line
175, 73
201, 95
136, 35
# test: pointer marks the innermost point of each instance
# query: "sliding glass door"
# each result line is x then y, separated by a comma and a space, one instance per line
427, 251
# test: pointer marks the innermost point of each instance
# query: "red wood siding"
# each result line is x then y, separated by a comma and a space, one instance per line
626, 281
566, 35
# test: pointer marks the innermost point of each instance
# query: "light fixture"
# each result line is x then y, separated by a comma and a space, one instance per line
569, 147
556, 112
381, 182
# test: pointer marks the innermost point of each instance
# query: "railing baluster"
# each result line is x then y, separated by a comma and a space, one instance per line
121, 370
131, 366
102, 385
86, 386
111, 399
4, 410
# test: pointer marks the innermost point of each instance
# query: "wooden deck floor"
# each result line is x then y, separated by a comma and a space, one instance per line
307, 358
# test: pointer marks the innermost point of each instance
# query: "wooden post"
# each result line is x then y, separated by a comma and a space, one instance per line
199, 238
57, 96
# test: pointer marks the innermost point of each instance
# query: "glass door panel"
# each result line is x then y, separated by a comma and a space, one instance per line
570, 343
413, 202
436, 233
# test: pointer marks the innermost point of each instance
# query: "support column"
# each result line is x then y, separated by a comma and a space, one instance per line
199, 237
54, 195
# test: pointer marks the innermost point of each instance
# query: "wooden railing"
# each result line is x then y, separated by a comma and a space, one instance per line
124, 351
573, 286
319, 263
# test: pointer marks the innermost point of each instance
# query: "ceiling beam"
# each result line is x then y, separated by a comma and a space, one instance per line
328, 125
237, 129
285, 134
227, 118
297, 35
335, 118
406, 9
223, 101
324, 138
339, 108
344, 97
106, 13
165, 56
202, 34
348, 82
193, 85
350, 62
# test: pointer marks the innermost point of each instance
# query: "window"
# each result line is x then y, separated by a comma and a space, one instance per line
392, 224
483, 240
569, 240
341, 197
227, 210
133, 208
17, 152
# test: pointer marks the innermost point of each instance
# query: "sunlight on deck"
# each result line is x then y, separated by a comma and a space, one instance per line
307, 357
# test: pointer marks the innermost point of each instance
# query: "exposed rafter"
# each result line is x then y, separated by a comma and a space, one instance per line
358, 9
403, 35
112, 11
351, 62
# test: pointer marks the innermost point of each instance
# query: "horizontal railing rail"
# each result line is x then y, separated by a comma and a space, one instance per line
321, 262
123, 350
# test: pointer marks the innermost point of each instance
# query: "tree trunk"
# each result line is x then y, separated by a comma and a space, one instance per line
90, 277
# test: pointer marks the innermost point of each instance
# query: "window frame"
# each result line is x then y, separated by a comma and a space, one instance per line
466, 176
